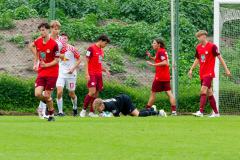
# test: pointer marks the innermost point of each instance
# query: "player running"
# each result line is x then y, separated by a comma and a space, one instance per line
93, 73
46, 64
161, 81
55, 27
68, 64
206, 53
122, 104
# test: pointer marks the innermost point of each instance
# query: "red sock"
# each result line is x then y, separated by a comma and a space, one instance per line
147, 106
87, 101
50, 113
203, 100
173, 108
91, 108
213, 104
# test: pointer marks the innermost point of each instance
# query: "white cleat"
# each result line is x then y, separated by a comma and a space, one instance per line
45, 117
162, 113
39, 111
174, 113
198, 114
154, 108
91, 114
83, 113
214, 115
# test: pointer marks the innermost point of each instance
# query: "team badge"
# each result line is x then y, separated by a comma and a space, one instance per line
92, 83
42, 55
203, 58
206, 52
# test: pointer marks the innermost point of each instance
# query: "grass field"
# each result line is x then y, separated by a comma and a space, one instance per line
125, 138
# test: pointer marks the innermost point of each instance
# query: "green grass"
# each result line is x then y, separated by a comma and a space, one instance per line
124, 138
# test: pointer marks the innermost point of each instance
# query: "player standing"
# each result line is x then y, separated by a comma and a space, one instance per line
161, 81
69, 62
55, 27
206, 53
46, 64
93, 73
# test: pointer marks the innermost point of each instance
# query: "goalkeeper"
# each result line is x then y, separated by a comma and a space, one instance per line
123, 104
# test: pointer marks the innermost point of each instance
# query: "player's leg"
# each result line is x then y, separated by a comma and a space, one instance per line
91, 111
151, 100
60, 85
172, 102
71, 86
87, 100
203, 99
212, 102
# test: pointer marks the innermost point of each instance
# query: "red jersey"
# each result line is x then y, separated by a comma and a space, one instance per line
95, 56
47, 53
162, 72
206, 56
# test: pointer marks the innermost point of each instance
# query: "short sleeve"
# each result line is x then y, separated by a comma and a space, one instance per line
55, 51
196, 54
162, 56
89, 52
215, 51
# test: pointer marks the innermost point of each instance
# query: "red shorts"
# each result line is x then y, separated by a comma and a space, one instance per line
49, 83
207, 81
160, 86
96, 81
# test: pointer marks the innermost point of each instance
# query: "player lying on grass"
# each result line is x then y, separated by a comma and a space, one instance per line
123, 104
46, 60
206, 53
93, 73
68, 64
161, 81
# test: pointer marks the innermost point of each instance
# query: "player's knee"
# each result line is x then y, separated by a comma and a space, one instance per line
72, 94
204, 90
38, 94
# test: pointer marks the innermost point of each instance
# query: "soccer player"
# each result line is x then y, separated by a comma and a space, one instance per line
161, 81
69, 62
122, 104
55, 27
206, 53
93, 73
46, 64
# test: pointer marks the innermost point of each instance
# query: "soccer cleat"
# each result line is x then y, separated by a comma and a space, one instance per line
162, 113
83, 113
214, 115
61, 114
154, 108
51, 119
75, 112
198, 114
174, 113
45, 117
91, 114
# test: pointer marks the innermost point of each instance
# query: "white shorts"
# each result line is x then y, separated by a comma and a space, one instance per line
69, 82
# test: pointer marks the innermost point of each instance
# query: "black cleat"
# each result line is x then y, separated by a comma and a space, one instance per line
75, 112
61, 114
51, 119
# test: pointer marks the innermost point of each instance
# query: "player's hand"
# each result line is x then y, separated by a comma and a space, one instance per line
190, 74
108, 74
150, 63
148, 53
228, 73
87, 77
43, 64
35, 68
71, 71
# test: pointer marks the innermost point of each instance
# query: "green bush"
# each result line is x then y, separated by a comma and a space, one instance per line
19, 40
24, 12
6, 21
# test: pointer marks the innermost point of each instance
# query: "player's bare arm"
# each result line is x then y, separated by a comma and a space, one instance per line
163, 63
78, 61
106, 71
195, 63
150, 56
46, 65
86, 69
34, 51
227, 71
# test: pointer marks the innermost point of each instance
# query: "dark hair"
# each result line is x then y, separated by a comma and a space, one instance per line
161, 42
64, 34
104, 38
45, 25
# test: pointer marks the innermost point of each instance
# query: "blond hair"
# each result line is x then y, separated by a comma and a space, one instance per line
55, 23
97, 103
201, 32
